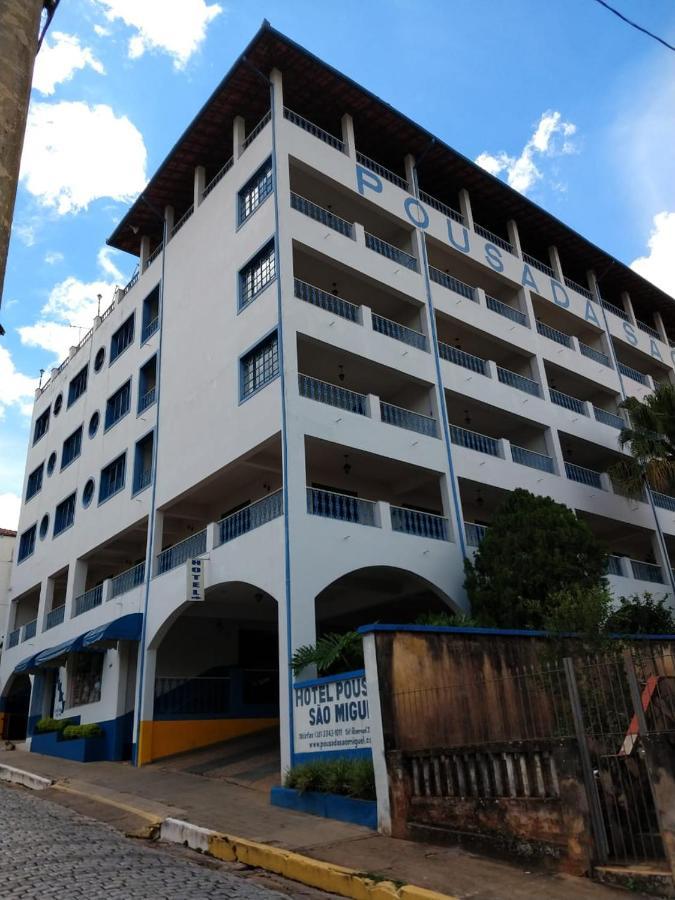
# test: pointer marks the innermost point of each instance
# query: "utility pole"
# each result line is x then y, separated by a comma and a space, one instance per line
19, 44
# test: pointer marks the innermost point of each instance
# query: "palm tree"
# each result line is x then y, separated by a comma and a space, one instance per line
650, 437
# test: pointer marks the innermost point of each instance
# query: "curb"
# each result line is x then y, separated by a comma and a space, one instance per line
26, 779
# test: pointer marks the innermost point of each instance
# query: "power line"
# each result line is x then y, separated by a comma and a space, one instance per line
635, 25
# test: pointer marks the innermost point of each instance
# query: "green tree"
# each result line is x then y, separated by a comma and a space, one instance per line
535, 562
332, 653
641, 615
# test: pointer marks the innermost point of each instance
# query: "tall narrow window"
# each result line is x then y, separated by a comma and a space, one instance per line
41, 426
255, 191
78, 385
27, 543
143, 463
147, 384
112, 478
260, 365
122, 338
35, 481
72, 447
257, 274
150, 322
65, 514
118, 405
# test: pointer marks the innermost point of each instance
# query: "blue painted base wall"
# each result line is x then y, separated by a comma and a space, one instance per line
329, 806
115, 744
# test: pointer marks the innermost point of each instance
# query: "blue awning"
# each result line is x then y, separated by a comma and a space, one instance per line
51, 654
26, 665
126, 628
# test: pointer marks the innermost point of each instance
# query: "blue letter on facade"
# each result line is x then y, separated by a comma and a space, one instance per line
630, 334
528, 279
366, 179
463, 249
590, 315
559, 294
494, 257
422, 218
654, 350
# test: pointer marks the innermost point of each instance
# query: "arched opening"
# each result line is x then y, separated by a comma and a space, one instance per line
15, 705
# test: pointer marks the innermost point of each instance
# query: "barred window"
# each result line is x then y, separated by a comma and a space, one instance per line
78, 385
85, 673
260, 365
112, 478
118, 405
65, 514
122, 338
41, 426
255, 191
34, 481
257, 274
27, 543
72, 447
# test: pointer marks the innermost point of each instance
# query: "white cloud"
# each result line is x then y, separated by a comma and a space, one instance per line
52, 257
58, 61
10, 505
17, 389
551, 137
107, 264
101, 31
175, 28
658, 266
75, 153
25, 233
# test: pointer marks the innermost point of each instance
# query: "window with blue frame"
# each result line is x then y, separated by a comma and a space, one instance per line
27, 543
122, 338
41, 426
64, 515
257, 274
118, 405
150, 322
143, 462
112, 478
72, 447
147, 384
35, 481
255, 191
78, 385
259, 366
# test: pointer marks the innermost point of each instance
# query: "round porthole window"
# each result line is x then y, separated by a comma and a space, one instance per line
44, 527
51, 462
58, 403
93, 424
88, 493
99, 359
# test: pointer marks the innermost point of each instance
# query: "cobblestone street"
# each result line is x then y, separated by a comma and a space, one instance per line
47, 851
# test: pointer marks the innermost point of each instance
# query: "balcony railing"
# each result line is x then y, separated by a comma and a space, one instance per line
442, 207
614, 565
621, 313
412, 521
147, 399
663, 501
596, 355
13, 638
153, 256
578, 288
503, 309
382, 171
554, 335
461, 358
329, 302
531, 458
567, 401
89, 600
325, 392
319, 214
643, 571
474, 533
256, 131
406, 418
331, 505
472, 440
252, 516
538, 264
520, 382
652, 332
492, 237
583, 476
217, 177
608, 418
29, 630
142, 479
313, 129
633, 374
390, 251
452, 284
174, 556
55, 617
183, 219
148, 330
127, 581
399, 332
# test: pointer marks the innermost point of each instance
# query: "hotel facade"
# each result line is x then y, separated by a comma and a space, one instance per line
343, 345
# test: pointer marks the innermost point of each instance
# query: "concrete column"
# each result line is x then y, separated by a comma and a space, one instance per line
238, 136
211, 536
504, 449
526, 306
383, 515
588, 409
465, 208
45, 602
76, 584
538, 373
169, 217
628, 307
514, 237
554, 450
606, 483
661, 328
144, 253
491, 367
366, 317
107, 590
373, 407
348, 138
479, 294
575, 343
158, 539
359, 234
199, 185
556, 265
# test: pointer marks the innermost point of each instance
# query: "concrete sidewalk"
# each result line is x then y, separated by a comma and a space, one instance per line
155, 792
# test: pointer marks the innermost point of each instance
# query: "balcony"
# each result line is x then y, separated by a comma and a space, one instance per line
652, 332
328, 302
314, 130
538, 264
324, 216
582, 475
13, 638
616, 310
179, 553
421, 524
531, 458
147, 400
29, 630
663, 501
554, 335
472, 440
633, 374
382, 171
520, 382
441, 207
253, 134
55, 617
566, 401
492, 237
89, 600
452, 283
644, 571
461, 358
474, 533
127, 581
405, 418
578, 288
399, 332
390, 251
250, 517
608, 418
331, 505
595, 355
503, 309
325, 392
148, 330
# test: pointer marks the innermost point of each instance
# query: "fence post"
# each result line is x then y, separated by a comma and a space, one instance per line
635, 697
597, 821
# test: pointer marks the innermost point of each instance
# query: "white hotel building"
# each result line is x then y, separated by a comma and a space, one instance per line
344, 344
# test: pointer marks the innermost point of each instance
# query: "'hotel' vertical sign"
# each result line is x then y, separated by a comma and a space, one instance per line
195, 579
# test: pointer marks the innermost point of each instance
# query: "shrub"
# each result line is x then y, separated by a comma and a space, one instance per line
43, 726
345, 776
71, 732
642, 615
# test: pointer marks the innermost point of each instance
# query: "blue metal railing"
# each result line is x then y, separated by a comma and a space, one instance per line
568, 402
538, 264
256, 131
461, 358
652, 332
406, 418
217, 177
614, 565
174, 556
149, 329
633, 374
127, 581
421, 524
55, 617
663, 501
595, 355
382, 171
313, 129
13, 637
29, 630
146, 400
554, 335
608, 418
441, 207
474, 441
452, 284
390, 251
583, 475
399, 332
325, 392
578, 288
331, 505
143, 479
520, 382
503, 309
183, 219
532, 459
329, 302
192, 695
252, 516
319, 214
153, 256
474, 533
89, 600
492, 237
621, 313
646, 571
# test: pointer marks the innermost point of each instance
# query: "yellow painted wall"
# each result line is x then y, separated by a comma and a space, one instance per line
159, 739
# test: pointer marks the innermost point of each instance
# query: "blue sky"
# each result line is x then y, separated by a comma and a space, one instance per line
563, 100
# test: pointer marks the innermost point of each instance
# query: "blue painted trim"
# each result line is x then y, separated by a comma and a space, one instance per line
329, 806
239, 223
329, 679
275, 244
505, 632
254, 297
